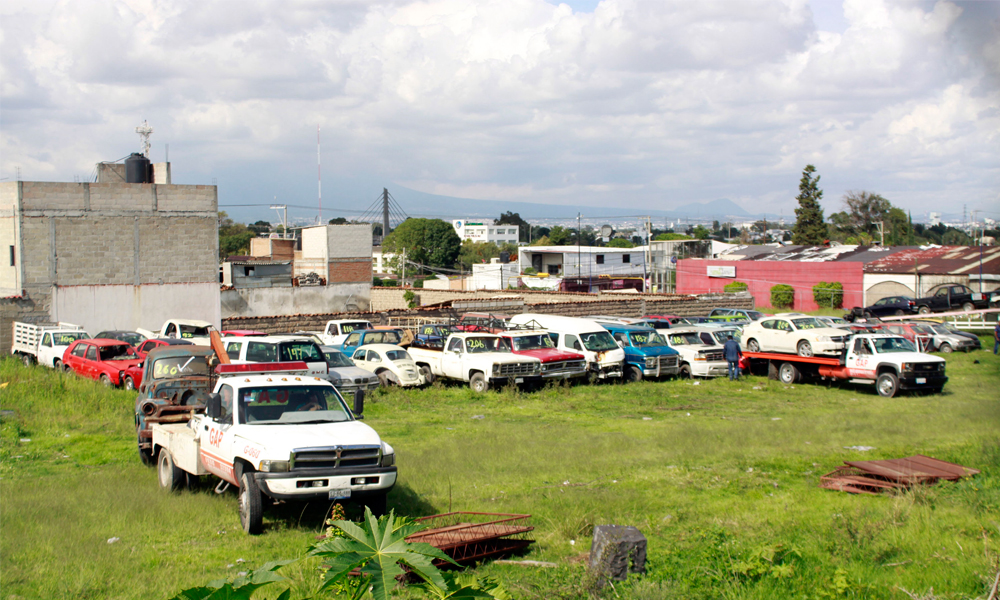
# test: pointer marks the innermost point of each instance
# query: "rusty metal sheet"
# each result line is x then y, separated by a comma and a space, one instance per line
941, 260
913, 469
472, 536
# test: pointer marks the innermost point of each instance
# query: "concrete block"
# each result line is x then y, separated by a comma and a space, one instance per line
616, 551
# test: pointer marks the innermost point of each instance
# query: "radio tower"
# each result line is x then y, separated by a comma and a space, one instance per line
319, 177
144, 130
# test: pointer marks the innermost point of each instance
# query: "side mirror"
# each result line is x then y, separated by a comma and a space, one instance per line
214, 408
359, 404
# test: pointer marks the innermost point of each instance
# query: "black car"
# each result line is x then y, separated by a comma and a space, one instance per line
131, 337
892, 306
954, 297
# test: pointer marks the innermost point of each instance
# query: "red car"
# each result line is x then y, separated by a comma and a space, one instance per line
922, 336
556, 364
104, 360
151, 343
242, 333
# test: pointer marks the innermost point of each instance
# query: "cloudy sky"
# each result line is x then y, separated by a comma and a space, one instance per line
642, 103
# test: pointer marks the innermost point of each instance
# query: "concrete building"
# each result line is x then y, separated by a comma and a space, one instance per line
337, 253
914, 271
252, 272
273, 248
585, 261
108, 254
483, 231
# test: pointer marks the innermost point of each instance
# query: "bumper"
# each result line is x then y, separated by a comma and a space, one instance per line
611, 371
286, 486
518, 380
709, 369
917, 382
564, 374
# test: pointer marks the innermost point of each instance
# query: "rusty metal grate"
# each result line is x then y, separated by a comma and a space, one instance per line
876, 476
470, 536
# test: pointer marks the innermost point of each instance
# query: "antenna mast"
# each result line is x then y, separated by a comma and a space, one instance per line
144, 130
319, 178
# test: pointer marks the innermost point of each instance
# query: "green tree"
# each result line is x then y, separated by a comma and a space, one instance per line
865, 210
260, 227
701, 232
234, 238
513, 218
474, 253
620, 243
809, 230
665, 237
561, 236
431, 242
338, 221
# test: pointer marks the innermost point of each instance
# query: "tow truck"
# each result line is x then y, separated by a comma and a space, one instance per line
890, 362
275, 432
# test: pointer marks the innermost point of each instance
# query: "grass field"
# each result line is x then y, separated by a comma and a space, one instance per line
720, 476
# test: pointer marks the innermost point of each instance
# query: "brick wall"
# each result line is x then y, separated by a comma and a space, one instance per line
350, 270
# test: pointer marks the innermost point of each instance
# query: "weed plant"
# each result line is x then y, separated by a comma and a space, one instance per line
721, 477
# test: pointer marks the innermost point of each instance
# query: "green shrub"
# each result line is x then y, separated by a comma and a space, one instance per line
376, 282
782, 296
735, 287
530, 271
390, 283
410, 298
829, 294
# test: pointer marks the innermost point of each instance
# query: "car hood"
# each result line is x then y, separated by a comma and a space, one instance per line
348, 373
652, 351
547, 355
282, 439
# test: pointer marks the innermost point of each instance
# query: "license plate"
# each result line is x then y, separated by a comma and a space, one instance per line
921, 380
519, 380
339, 494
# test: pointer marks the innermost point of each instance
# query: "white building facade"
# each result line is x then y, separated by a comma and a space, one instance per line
483, 231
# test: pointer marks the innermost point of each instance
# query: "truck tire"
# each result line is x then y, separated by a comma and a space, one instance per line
968, 306
685, 372
251, 508
129, 383
58, 365
171, 478
788, 373
27, 359
899, 312
428, 375
924, 310
887, 385
377, 504
946, 348
752, 345
804, 349
478, 383
632, 374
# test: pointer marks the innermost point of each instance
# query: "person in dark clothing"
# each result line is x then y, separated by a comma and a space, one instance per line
996, 338
732, 353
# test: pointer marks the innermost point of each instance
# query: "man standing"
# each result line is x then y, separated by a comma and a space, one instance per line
732, 353
996, 338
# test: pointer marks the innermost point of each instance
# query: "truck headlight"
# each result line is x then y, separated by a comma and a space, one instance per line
941, 367
907, 366
496, 369
701, 357
823, 338
388, 460
537, 368
650, 363
274, 466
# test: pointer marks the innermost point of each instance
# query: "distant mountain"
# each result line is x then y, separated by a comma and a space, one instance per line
723, 207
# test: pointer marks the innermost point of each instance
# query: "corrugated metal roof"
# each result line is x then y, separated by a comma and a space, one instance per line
940, 260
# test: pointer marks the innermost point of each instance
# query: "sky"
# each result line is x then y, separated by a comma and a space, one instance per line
627, 103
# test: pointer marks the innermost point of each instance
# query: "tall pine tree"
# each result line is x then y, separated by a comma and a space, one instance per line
810, 230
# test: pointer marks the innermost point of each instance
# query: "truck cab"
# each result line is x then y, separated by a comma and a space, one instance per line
556, 363
698, 359
45, 344
647, 355
337, 330
893, 362
271, 430
277, 348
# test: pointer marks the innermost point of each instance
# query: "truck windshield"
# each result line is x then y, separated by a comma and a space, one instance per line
532, 342
307, 351
486, 344
179, 366
598, 341
349, 327
808, 323
683, 339
65, 338
192, 331
722, 335
753, 315
893, 344
644, 339
291, 404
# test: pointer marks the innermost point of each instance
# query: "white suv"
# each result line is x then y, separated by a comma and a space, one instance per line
798, 334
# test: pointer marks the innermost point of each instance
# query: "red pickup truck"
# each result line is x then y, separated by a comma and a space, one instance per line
556, 363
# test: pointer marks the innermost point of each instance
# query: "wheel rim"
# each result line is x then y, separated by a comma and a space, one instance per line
164, 480
129, 384
786, 374
106, 380
946, 348
753, 346
805, 349
885, 386
244, 509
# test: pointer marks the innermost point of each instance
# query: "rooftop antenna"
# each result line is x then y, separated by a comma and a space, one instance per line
144, 130
284, 219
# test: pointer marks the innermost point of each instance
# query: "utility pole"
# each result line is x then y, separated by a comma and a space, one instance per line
881, 232
402, 275
579, 265
385, 212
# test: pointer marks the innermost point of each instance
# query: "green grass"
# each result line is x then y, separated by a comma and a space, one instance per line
721, 477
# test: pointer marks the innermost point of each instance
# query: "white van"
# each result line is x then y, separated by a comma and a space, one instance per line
604, 357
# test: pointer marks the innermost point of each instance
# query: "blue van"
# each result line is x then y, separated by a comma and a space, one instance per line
646, 352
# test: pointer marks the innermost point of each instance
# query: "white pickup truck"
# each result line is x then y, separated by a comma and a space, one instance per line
481, 359
697, 358
196, 332
271, 430
337, 330
44, 344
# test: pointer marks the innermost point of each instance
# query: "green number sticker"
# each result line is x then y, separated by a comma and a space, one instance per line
476, 343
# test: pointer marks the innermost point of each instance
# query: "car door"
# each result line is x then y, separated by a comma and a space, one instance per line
352, 342
451, 359
782, 336
861, 361
88, 366
217, 437
360, 359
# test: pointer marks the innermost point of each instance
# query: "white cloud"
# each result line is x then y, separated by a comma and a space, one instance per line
639, 101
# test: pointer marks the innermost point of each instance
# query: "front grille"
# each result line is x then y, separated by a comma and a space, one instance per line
668, 362
925, 368
336, 457
713, 356
564, 366
517, 369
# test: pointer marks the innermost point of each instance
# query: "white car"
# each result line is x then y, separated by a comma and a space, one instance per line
391, 363
797, 334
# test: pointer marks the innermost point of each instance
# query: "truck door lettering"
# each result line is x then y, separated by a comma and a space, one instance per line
214, 437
